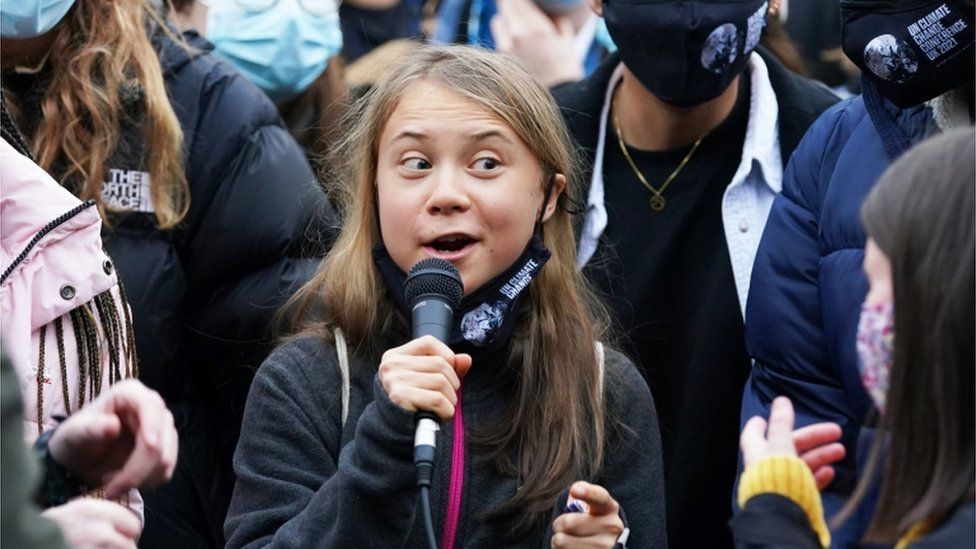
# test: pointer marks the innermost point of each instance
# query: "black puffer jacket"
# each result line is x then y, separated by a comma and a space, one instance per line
203, 295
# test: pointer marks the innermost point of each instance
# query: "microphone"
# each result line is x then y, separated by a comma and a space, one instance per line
433, 290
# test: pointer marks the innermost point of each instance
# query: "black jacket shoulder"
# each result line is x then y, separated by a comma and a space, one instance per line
203, 294
223, 115
800, 100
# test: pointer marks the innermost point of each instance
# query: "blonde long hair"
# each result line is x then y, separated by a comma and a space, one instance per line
553, 430
100, 49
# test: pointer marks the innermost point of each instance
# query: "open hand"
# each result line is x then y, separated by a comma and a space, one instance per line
124, 439
815, 444
545, 47
599, 527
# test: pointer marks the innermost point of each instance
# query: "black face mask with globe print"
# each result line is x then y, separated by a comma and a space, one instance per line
911, 51
685, 52
485, 319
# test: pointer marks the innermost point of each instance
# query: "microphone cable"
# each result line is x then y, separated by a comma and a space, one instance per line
433, 289
428, 521
423, 458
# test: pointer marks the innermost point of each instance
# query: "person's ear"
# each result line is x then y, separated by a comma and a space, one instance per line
558, 186
596, 6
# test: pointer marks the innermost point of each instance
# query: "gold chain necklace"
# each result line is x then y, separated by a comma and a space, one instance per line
657, 195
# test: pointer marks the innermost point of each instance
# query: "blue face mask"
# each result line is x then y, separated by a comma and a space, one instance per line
30, 18
282, 50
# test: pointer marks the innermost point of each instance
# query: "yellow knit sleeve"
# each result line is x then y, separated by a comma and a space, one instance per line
790, 477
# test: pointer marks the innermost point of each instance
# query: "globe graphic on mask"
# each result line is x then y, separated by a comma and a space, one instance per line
721, 48
479, 325
890, 59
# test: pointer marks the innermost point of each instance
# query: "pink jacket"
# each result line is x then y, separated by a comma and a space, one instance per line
56, 274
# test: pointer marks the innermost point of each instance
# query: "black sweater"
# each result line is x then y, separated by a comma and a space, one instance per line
306, 480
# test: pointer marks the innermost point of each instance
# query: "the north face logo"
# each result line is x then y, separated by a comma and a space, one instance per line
128, 190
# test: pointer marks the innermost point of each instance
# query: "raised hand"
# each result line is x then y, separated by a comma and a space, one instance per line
546, 47
816, 444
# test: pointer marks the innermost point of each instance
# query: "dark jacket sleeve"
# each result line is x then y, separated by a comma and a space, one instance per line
22, 523
259, 220
773, 521
633, 469
785, 333
291, 491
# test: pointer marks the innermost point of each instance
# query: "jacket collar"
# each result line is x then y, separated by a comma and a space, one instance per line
897, 128
762, 142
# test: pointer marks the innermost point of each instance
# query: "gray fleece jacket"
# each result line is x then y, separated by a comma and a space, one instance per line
306, 480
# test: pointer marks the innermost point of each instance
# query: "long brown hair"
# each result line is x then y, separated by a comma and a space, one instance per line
553, 430
920, 215
101, 48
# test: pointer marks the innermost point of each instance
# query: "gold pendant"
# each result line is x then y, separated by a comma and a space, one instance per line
657, 202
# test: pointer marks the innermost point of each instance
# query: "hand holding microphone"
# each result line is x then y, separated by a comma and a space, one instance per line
423, 375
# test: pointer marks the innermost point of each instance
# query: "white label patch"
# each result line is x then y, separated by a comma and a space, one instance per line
514, 287
934, 35
128, 190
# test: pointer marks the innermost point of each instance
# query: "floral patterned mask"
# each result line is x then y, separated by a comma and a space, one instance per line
875, 340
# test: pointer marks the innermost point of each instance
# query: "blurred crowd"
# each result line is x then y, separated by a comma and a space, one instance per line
184, 182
